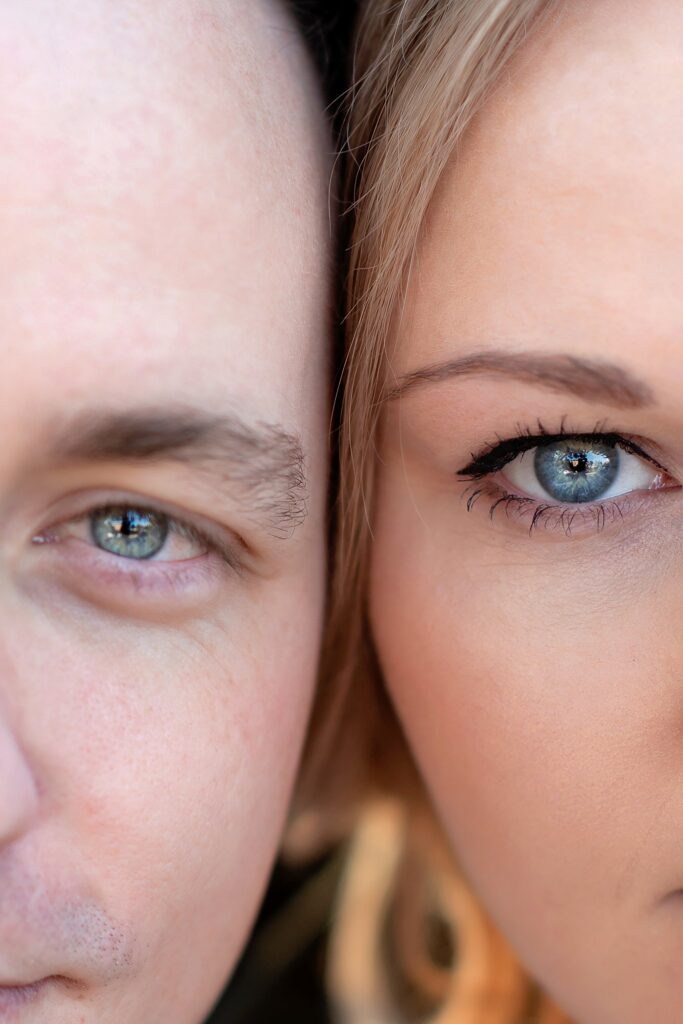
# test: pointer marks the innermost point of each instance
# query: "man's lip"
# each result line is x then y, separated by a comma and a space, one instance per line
54, 920
13, 997
29, 987
16, 981
26, 986
21, 984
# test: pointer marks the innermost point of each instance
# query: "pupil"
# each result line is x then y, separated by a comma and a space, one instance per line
576, 463
127, 525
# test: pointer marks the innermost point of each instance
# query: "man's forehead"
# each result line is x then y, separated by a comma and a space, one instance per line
148, 252
144, 212
104, 97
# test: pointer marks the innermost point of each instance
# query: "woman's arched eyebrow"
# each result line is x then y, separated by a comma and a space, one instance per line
263, 462
589, 379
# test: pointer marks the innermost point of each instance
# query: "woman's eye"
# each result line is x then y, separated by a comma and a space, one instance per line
576, 472
135, 533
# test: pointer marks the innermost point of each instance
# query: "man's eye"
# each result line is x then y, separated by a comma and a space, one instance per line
576, 472
134, 532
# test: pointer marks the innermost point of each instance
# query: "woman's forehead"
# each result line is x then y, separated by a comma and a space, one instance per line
556, 227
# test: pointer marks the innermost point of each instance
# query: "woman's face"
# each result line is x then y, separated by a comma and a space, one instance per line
527, 589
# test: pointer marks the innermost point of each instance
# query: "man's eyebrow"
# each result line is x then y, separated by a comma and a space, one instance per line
265, 461
586, 378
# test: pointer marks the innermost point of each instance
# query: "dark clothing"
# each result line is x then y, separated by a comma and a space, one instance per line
280, 978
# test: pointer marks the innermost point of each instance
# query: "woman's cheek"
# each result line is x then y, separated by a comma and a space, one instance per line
543, 705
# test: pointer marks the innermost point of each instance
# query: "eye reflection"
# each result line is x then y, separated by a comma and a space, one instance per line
129, 532
571, 472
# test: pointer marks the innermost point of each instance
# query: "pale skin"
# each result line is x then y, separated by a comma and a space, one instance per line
164, 257
537, 673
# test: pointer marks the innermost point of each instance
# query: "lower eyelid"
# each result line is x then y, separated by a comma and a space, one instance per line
113, 582
529, 513
70, 564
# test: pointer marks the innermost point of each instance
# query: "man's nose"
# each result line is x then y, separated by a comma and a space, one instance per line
18, 791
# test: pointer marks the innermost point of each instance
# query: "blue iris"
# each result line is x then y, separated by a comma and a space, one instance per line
129, 532
576, 472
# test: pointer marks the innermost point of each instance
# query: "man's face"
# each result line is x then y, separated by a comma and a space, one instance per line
163, 303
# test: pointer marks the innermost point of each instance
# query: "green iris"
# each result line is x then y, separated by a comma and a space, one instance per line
129, 532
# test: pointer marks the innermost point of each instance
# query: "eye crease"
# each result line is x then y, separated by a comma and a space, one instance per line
564, 479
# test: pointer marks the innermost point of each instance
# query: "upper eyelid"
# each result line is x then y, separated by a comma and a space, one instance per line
495, 457
220, 538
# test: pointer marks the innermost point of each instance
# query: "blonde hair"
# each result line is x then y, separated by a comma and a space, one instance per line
422, 71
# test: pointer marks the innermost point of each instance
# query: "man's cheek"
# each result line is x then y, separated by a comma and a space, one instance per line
126, 728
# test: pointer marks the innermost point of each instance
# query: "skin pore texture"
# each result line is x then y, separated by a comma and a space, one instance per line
164, 258
537, 666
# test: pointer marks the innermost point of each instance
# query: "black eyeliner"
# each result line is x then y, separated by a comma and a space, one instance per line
496, 456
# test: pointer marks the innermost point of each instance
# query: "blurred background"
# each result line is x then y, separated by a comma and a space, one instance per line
280, 979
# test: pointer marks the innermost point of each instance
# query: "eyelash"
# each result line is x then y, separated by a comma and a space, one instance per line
497, 454
557, 516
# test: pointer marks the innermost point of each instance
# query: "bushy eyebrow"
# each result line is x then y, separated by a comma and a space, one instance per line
263, 461
586, 378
